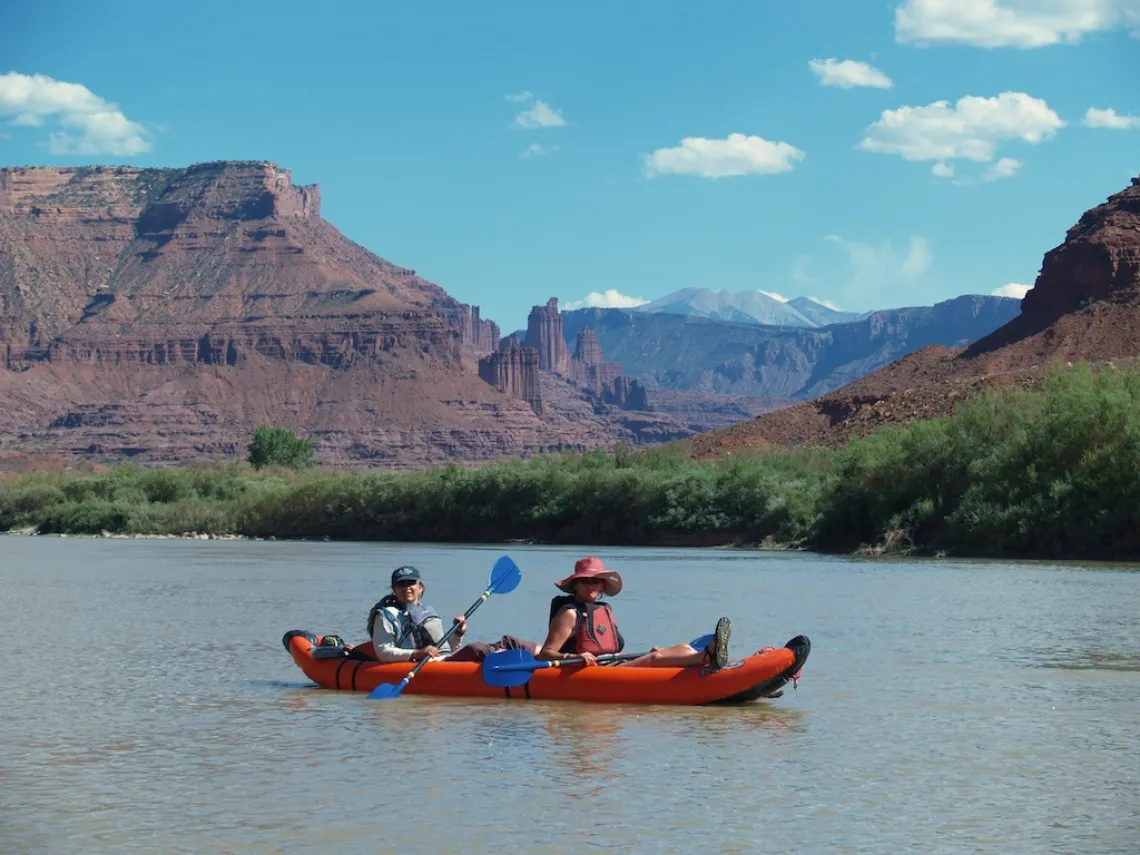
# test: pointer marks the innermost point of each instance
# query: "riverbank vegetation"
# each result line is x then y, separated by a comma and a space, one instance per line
1049, 472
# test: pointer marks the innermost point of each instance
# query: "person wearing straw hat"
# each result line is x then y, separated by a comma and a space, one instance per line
583, 626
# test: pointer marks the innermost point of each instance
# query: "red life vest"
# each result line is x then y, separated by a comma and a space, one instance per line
595, 630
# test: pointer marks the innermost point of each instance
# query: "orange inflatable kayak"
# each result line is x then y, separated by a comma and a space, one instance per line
758, 676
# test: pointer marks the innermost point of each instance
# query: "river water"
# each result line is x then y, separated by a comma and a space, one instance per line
149, 706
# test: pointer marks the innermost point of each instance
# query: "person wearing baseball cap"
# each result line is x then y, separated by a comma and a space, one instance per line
402, 627
405, 629
582, 626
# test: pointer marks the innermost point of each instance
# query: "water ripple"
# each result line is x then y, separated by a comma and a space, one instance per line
148, 706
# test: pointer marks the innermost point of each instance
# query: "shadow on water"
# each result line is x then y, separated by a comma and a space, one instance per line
559, 723
1096, 662
279, 684
510, 719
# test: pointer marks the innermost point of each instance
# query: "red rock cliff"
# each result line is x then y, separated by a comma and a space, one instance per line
105, 264
478, 336
1100, 256
1095, 269
515, 372
544, 334
162, 314
587, 368
586, 349
624, 392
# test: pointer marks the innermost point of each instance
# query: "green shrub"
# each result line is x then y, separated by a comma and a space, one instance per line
1050, 472
276, 446
90, 517
24, 504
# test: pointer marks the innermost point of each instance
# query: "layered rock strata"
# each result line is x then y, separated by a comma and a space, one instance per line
478, 336
544, 334
162, 314
514, 371
588, 369
1100, 256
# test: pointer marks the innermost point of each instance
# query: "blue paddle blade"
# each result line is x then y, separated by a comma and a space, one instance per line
505, 576
702, 642
509, 668
387, 690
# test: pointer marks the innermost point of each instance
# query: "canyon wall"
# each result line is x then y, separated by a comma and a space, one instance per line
514, 371
544, 334
162, 314
1100, 256
587, 367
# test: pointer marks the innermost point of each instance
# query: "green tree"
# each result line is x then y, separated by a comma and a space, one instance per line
276, 446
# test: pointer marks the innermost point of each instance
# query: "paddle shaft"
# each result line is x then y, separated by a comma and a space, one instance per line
696, 644
603, 659
447, 635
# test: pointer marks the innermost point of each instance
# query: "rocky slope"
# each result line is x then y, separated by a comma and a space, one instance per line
1084, 306
681, 353
162, 314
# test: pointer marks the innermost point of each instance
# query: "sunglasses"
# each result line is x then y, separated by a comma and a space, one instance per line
407, 583
591, 581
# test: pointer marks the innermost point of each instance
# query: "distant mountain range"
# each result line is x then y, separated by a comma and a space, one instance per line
748, 307
684, 352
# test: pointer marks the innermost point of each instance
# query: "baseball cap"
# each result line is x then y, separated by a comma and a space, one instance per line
407, 573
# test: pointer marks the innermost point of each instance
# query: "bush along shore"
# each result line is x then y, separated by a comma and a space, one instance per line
1052, 472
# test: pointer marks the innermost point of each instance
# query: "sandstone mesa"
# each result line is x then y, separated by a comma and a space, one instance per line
161, 314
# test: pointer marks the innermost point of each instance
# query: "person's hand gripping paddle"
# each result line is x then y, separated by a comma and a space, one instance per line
505, 577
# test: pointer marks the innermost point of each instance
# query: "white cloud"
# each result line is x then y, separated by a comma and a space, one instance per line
1009, 23
971, 129
92, 125
538, 115
711, 158
848, 73
881, 264
27, 120
917, 259
1013, 289
801, 271
610, 299
1096, 118
779, 297
520, 97
537, 150
826, 303
867, 275
942, 170
1004, 168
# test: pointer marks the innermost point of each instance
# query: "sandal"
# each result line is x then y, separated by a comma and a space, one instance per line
717, 651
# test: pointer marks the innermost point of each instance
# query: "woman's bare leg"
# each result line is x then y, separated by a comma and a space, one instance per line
685, 655
677, 656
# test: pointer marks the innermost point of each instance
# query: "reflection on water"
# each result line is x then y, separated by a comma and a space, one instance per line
1084, 660
148, 706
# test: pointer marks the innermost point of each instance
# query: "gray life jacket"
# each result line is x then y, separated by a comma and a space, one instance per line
408, 622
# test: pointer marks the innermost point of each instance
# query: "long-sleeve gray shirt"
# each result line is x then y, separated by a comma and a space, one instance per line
392, 623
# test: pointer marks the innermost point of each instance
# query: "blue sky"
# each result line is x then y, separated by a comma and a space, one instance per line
514, 151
